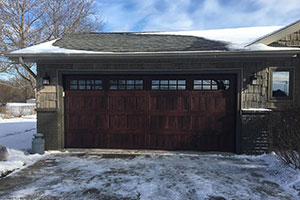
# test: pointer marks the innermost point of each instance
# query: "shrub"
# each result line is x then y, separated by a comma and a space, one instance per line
3, 109
285, 135
7, 93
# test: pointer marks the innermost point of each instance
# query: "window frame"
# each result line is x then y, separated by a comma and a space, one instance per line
123, 84
291, 84
211, 85
168, 84
92, 84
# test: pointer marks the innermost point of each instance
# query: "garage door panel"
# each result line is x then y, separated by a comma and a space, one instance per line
172, 122
82, 120
80, 138
168, 102
220, 105
207, 141
171, 141
169, 132
206, 103
126, 121
200, 123
86, 102
100, 121
126, 103
199, 103
172, 114
125, 141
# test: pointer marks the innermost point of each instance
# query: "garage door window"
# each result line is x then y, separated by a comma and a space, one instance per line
126, 84
211, 84
168, 85
86, 84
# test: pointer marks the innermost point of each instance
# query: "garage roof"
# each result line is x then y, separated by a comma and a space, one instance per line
130, 42
225, 42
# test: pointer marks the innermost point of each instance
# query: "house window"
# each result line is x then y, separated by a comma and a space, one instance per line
168, 85
126, 84
86, 85
281, 84
211, 84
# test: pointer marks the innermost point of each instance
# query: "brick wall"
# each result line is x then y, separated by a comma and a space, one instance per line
254, 138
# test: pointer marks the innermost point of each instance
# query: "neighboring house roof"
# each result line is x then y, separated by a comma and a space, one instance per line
278, 34
235, 40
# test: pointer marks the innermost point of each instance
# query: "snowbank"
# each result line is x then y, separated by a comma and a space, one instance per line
17, 160
16, 134
19, 109
287, 176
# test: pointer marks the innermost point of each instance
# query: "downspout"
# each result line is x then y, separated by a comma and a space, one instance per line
21, 61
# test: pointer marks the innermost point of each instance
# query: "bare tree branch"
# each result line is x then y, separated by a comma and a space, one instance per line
27, 22
20, 74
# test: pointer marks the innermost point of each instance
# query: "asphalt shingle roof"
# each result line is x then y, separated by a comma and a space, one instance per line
130, 42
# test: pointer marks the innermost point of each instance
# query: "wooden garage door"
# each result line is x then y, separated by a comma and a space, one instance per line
151, 112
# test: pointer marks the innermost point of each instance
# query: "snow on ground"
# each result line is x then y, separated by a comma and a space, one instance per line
257, 109
153, 176
16, 134
127, 175
20, 104
19, 109
17, 160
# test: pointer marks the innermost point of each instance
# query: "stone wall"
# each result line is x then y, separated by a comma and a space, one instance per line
47, 125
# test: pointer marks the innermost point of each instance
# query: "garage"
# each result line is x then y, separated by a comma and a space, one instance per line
162, 112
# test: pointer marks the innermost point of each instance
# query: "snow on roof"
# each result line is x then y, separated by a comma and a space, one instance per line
236, 38
278, 34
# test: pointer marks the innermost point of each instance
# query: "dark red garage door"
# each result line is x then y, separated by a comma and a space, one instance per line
151, 112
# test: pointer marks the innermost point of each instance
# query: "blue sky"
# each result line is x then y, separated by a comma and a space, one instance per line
167, 15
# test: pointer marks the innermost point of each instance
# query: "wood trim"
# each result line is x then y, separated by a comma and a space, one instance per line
278, 34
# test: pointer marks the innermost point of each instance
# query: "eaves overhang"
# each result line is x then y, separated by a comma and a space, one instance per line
201, 54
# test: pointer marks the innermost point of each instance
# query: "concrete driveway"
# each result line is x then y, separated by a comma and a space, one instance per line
96, 175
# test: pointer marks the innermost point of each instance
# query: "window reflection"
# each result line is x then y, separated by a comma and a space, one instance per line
168, 84
211, 84
86, 85
280, 83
